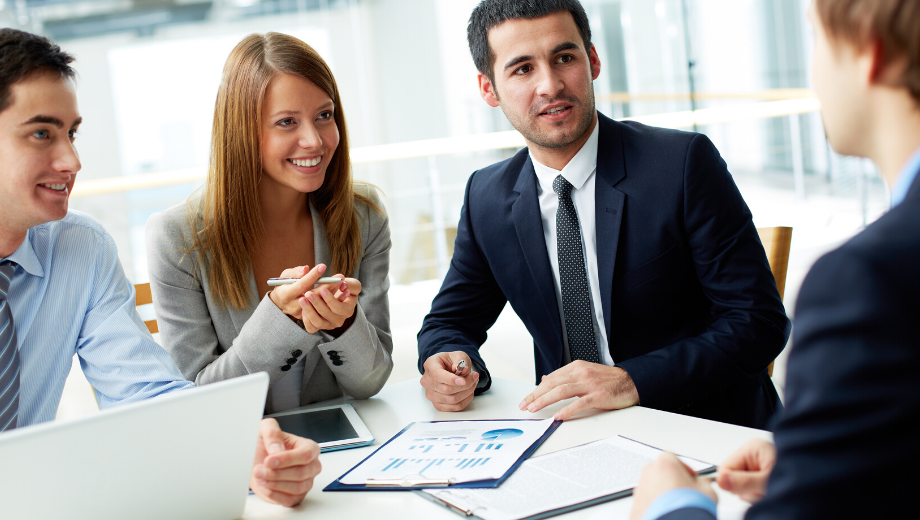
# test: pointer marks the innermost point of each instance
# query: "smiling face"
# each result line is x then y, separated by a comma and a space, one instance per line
299, 134
543, 81
38, 160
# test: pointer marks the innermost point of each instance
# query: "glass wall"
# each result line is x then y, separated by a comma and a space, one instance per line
149, 71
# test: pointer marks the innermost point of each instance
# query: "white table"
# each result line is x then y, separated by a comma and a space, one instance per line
399, 404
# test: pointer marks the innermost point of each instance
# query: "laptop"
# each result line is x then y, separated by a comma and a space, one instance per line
184, 455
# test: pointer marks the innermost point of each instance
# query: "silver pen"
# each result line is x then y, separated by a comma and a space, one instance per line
274, 282
460, 367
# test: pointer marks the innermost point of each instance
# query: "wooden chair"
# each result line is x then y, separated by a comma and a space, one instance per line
776, 243
145, 297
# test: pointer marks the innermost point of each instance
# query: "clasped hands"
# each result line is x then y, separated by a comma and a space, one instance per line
744, 473
596, 386
327, 307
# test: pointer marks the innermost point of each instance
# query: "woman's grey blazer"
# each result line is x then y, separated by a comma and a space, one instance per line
211, 343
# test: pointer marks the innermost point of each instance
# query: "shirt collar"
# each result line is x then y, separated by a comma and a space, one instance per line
905, 179
24, 256
579, 167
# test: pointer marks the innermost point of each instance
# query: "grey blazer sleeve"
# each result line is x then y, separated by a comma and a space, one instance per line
366, 346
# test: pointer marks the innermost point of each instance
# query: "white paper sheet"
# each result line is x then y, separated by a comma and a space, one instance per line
561, 479
463, 451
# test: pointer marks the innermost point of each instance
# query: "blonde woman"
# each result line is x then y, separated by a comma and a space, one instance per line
279, 202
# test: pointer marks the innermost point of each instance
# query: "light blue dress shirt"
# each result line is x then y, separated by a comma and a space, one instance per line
69, 295
679, 498
905, 179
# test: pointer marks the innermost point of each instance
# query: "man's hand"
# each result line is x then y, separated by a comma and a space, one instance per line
663, 475
447, 391
746, 471
596, 386
284, 465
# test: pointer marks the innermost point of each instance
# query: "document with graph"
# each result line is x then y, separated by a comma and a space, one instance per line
449, 453
560, 482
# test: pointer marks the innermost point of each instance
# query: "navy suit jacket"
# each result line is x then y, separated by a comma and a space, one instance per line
690, 306
848, 443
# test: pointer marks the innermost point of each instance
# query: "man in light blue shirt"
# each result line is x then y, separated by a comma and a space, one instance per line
62, 288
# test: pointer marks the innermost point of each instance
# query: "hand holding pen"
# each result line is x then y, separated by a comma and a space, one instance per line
293, 284
330, 307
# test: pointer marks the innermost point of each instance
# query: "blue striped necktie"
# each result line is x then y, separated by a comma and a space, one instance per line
9, 354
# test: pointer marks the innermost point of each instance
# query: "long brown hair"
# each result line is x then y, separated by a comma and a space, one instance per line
231, 216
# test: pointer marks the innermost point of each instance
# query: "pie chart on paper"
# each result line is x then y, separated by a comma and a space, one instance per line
502, 435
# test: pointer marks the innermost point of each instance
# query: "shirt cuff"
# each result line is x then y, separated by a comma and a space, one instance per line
679, 498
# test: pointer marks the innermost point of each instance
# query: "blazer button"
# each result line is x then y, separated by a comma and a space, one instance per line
296, 353
337, 362
285, 368
291, 361
333, 352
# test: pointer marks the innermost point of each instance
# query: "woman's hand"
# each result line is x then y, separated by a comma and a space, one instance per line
286, 296
330, 307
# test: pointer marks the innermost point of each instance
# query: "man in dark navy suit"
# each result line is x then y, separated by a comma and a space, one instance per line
848, 443
626, 250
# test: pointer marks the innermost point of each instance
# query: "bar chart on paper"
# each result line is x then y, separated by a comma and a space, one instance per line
463, 451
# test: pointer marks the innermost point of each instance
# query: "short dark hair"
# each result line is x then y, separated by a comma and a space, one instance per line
490, 13
23, 53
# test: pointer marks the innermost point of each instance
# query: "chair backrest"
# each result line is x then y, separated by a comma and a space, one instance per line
145, 297
776, 243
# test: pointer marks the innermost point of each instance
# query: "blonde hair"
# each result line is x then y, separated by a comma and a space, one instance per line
231, 224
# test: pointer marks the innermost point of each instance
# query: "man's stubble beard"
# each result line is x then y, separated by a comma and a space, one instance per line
544, 139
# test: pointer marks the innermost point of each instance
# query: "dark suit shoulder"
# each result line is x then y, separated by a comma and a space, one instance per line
499, 176
881, 258
671, 154
654, 135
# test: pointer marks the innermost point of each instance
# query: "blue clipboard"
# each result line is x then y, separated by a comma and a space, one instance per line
336, 485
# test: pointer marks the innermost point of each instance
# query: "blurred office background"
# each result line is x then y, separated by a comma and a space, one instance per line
149, 71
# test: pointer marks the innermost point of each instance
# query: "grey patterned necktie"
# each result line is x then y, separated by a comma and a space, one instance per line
9, 354
576, 294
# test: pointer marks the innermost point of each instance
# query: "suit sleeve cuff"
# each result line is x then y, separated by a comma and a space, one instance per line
679, 498
485, 380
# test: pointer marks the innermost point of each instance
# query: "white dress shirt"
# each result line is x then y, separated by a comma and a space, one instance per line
581, 172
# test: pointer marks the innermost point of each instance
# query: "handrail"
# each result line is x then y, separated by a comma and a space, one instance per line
773, 94
464, 144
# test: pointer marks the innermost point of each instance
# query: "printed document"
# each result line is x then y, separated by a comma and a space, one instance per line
560, 480
462, 451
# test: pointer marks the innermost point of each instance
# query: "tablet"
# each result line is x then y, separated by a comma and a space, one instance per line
336, 427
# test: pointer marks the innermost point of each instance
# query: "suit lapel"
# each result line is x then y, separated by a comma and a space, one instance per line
608, 208
528, 224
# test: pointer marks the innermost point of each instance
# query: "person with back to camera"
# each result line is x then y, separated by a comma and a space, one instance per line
846, 444
279, 199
